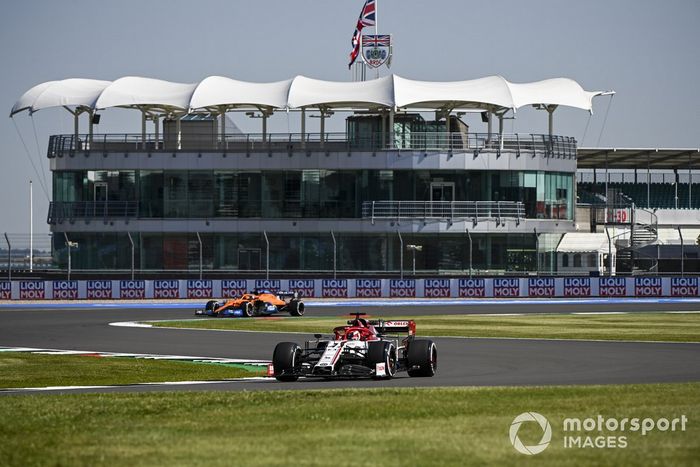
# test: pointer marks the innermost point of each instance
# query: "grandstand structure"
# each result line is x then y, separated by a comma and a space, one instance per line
651, 198
407, 186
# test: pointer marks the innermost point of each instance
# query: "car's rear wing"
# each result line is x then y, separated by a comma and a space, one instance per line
288, 295
389, 327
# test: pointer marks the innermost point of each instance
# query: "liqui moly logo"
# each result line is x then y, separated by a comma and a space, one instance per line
166, 289
506, 287
199, 288
684, 286
577, 286
31, 290
402, 288
334, 288
540, 287
5, 290
472, 288
437, 288
304, 287
368, 288
99, 289
233, 288
647, 286
65, 290
132, 289
612, 287
273, 285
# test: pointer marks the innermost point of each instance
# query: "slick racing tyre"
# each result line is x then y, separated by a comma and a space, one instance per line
284, 361
421, 358
211, 305
382, 352
296, 308
247, 309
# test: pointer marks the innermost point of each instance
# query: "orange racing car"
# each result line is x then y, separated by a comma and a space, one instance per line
257, 303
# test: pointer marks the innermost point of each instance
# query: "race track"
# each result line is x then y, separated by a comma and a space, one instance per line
462, 361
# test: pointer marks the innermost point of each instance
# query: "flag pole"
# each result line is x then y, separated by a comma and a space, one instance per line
376, 28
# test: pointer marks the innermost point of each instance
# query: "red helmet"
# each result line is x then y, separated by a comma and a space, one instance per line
354, 335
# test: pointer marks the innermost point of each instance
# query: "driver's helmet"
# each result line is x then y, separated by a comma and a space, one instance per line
354, 335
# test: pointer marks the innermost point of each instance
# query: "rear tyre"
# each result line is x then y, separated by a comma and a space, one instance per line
247, 309
284, 360
382, 352
421, 358
296, 308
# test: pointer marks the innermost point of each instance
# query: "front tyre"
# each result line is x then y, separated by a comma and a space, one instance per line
382, 352
296, 308
247, 309
284, 361
421, 358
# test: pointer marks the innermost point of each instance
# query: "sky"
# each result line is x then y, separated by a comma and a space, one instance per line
647, 51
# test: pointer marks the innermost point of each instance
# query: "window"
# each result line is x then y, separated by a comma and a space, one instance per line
565, 260
577, 260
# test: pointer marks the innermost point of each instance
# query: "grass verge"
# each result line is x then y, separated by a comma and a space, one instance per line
642, 326
446, 426
25, 370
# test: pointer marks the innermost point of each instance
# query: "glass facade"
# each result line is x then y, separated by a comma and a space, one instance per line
311, 193
308, 252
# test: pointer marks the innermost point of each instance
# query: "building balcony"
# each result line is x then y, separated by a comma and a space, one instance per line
533, 145
450, 211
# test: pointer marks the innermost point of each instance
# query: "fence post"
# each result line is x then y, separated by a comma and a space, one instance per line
132, 255
335, 246
199, 240
69, 245
400, 253
470, 252
267, 261
537, 252
680, 234
9, 258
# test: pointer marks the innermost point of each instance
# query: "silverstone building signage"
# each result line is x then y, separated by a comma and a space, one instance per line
647, 286
436, 288
684, 287
472, 288
612, 287
334, 288
503, 288
540, 287
132, 289
232, 288
577, 286
5, 290
368, 288
166, 289
31, 290
99, 290
65, 290
199, 289
401, 288
273, 285
304, 287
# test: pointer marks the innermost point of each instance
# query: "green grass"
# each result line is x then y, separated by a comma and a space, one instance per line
422, 427
642, 326
24, 370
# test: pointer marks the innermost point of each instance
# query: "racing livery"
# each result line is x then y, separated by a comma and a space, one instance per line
363, 348
257, 303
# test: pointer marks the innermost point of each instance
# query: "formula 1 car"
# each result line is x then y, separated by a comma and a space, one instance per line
363, 348
257, 303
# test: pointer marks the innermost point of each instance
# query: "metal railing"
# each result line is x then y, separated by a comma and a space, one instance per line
517, 144
449, 210
60, 211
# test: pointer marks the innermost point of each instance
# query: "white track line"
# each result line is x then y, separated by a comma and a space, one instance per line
165, 383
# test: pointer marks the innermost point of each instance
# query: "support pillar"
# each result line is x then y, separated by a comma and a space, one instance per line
303, 127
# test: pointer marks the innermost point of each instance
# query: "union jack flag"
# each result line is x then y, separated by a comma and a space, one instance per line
367, 18
376, 41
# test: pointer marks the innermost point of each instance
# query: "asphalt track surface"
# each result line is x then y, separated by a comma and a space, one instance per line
462, 361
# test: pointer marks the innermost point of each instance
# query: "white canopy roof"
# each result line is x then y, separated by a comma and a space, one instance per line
219, 90
388, 91
584, 242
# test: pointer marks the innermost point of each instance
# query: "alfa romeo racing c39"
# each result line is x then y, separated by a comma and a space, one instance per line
364, 348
